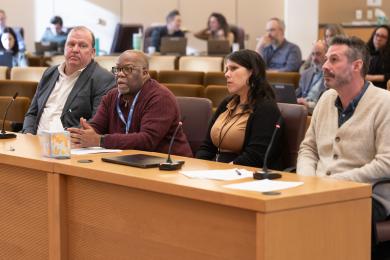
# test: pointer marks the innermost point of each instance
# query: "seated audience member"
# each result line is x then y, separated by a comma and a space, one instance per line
55, 33
243, 124
139, 114
217, 29
172, 29
19, 37
278, 53
330, 31
72, 89
348, 135
311, 83
379, 48
9, 45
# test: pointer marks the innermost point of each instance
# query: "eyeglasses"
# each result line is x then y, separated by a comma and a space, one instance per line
380, 36
126, 69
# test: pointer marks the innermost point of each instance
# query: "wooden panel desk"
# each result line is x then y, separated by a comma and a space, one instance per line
63, 209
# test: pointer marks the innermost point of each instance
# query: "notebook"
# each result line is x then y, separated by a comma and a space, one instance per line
285, 93
173, 46
218, 47
42, 47
136, 160
5, 59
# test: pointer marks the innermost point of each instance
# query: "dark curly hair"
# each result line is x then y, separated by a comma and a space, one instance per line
259, 88
222, 22
14, 49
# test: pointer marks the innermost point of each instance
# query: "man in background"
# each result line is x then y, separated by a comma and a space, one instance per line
171, 29
311, 83
278, 53
56, 32
70, 90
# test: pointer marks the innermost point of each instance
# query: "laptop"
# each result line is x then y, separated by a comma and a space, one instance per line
173, 46
285, 93
136, 160
6, 59
218, 47
45, 47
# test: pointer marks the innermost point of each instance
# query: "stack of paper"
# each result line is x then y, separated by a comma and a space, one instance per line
93, 150
225, 175
264, 185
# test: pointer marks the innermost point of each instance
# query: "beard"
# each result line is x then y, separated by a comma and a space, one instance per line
338, 80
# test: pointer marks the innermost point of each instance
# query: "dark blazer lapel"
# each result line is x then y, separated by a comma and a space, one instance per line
80, 83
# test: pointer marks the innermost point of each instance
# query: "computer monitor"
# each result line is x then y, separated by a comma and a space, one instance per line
46, 47
173, 46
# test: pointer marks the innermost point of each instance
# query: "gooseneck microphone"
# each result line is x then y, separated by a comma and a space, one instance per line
4, 134
170, 165
265, 173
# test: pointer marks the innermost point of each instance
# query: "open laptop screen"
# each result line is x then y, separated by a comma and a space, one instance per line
5, 59
173, 45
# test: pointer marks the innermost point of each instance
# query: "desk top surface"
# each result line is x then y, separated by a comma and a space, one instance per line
24, 151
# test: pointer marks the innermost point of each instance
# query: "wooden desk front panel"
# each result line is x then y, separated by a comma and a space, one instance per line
109, 221
24, 213
330, 231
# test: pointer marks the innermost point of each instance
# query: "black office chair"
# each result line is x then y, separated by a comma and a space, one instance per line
123, 37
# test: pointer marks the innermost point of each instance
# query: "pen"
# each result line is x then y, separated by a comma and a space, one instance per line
238, 171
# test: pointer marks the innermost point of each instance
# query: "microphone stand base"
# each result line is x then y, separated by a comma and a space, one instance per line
266, 175
7, 136
171, 166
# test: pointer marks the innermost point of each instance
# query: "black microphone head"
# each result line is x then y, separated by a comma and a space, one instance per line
15, 95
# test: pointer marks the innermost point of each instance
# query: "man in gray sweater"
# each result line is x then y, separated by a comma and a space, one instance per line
347, 139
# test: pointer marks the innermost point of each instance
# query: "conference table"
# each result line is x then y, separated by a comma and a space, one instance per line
69, 209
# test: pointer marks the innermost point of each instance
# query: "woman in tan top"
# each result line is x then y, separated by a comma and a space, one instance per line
217, 29
242, 126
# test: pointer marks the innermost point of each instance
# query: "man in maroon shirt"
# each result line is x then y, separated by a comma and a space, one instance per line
139, 114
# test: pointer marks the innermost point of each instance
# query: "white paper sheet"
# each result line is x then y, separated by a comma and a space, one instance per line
264, 185
93, 150
226, 175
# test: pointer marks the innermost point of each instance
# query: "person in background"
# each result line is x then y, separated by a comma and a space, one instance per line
138, 114
311, 83
242, 126
8, 44
348, 135
70, 90
56, 32
217, 29
19, 37
278, 53
379, 48
330, 31
171, 29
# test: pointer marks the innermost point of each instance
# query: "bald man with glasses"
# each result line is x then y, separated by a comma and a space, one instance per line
138, 114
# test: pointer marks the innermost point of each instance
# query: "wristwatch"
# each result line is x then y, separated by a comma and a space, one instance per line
101, 140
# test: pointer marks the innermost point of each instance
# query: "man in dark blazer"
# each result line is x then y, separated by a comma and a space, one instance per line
70, 90
311, 83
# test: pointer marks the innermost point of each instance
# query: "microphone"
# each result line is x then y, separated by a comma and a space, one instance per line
170, 165
265, 173
3, 134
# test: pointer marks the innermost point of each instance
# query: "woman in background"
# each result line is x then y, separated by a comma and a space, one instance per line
379, 48
9, 46
243, 124
217, 29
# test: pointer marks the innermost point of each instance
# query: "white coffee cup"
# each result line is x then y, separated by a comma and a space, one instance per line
151, 49
235, 46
